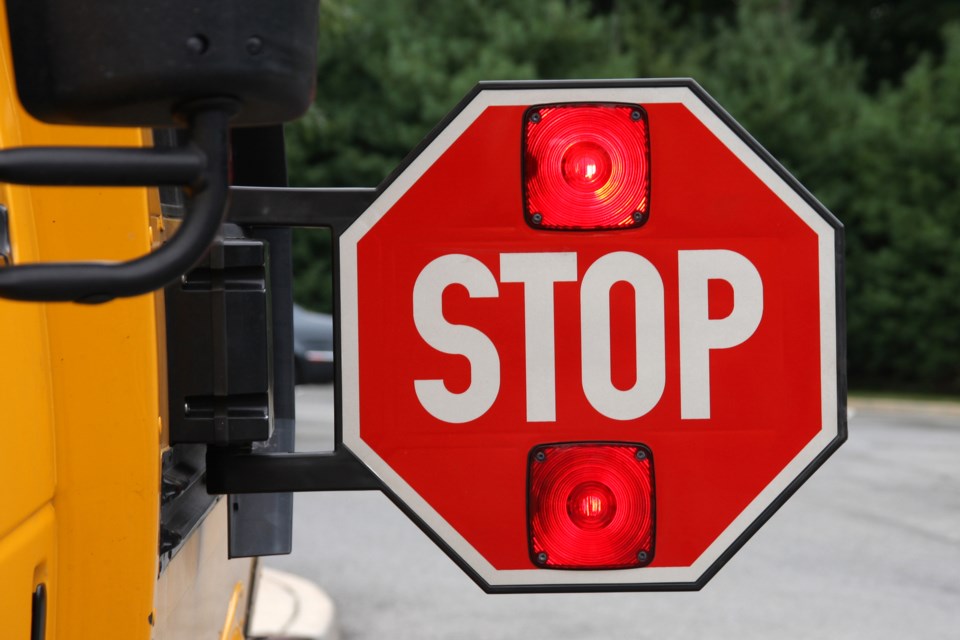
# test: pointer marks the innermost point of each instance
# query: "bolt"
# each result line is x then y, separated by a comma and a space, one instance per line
535, 117
635, 115
536, 218
542, 557
637, 216
641, 454
540, 456
198, 44
254, 45
642, 556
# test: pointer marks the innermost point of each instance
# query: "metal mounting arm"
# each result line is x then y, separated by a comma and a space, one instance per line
202, 167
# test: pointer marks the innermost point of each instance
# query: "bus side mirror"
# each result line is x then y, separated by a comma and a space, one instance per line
137, 63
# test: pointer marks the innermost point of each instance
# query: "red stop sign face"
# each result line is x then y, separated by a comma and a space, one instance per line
709, 335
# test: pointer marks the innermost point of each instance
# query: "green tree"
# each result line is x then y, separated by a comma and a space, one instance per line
904, 282
890, 36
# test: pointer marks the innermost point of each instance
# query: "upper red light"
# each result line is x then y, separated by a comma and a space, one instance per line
591, 506
586, 166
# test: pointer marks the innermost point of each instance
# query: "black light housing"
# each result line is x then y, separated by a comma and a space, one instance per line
590, 505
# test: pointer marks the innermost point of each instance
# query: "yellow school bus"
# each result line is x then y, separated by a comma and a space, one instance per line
106, 529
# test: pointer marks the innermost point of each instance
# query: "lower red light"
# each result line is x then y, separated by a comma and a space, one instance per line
591, 506
586, 166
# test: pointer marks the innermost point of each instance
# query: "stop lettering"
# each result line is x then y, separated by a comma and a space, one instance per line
539, 273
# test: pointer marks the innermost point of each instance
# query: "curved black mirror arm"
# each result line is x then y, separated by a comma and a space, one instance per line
202, 167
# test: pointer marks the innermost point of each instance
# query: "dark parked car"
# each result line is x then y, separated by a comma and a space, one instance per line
312, 346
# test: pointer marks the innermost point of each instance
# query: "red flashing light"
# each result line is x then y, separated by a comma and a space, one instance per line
591, 506
586, 166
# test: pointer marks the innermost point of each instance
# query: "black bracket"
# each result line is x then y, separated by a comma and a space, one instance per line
231, 471
219, 346
236, 470
335, 208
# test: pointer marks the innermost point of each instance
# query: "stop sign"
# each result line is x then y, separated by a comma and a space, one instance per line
569, 400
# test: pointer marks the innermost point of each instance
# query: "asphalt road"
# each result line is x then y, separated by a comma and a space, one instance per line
868, 548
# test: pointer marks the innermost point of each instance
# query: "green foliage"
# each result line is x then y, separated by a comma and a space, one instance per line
890, 36
879, 146
904, 226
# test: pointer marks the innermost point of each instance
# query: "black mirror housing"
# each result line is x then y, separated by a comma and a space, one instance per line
137, 63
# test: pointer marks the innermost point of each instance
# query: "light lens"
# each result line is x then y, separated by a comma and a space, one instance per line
591, 506
586, 166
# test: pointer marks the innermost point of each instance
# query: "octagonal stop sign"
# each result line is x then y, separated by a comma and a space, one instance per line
589, 336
